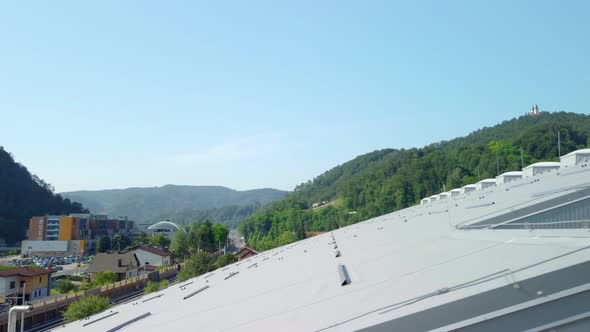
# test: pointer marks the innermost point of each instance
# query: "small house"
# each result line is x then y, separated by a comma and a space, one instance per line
32, 281
245, 253
125, 265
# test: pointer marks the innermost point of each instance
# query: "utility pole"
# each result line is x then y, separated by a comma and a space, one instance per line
521, 158
497, 165
22, 314
558, 144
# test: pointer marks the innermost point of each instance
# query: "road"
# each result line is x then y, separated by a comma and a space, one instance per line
71, 269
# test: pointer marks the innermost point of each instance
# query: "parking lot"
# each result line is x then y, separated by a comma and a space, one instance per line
62, 266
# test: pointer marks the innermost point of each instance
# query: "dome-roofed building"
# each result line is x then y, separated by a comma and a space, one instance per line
165, 227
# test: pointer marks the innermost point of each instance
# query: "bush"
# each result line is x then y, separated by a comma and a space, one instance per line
200, 263
86, 286
104, 278
76, 278
64, 286
153, 286
226, 259
85, 306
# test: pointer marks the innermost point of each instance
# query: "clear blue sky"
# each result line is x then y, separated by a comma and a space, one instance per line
251, 94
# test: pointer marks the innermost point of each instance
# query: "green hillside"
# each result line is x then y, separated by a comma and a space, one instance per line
23, 195
170, 201
383, 181
231, 215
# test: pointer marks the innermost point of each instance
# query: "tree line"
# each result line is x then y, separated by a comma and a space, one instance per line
387, 180
24, 195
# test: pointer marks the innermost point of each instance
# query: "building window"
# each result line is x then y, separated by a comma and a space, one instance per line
12, 284
39, 279
22, 284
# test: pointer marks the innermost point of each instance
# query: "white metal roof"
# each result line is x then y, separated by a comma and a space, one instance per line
513, 173
580, 151
398, 265
544, 164
488, 181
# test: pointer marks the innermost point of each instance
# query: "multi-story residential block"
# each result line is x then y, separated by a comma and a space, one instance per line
73, 234
37, 228
52, 229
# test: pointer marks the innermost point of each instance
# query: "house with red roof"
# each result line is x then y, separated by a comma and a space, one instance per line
245, 253
154, 256
32, 281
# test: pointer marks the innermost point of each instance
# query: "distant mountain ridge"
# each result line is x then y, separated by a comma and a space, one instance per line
151, 203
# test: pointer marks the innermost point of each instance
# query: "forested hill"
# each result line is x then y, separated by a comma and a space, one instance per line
230, 215
171, 201
23, 195
383, 181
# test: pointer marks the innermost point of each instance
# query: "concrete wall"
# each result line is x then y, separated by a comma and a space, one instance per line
37, 286
507, 178
529, 171
153, 259
5, 289
53, 248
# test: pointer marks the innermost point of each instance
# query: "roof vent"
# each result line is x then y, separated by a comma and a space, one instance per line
101, 318
152, 298
195, 292
129, 322
231, 275
343, 274
188, 283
